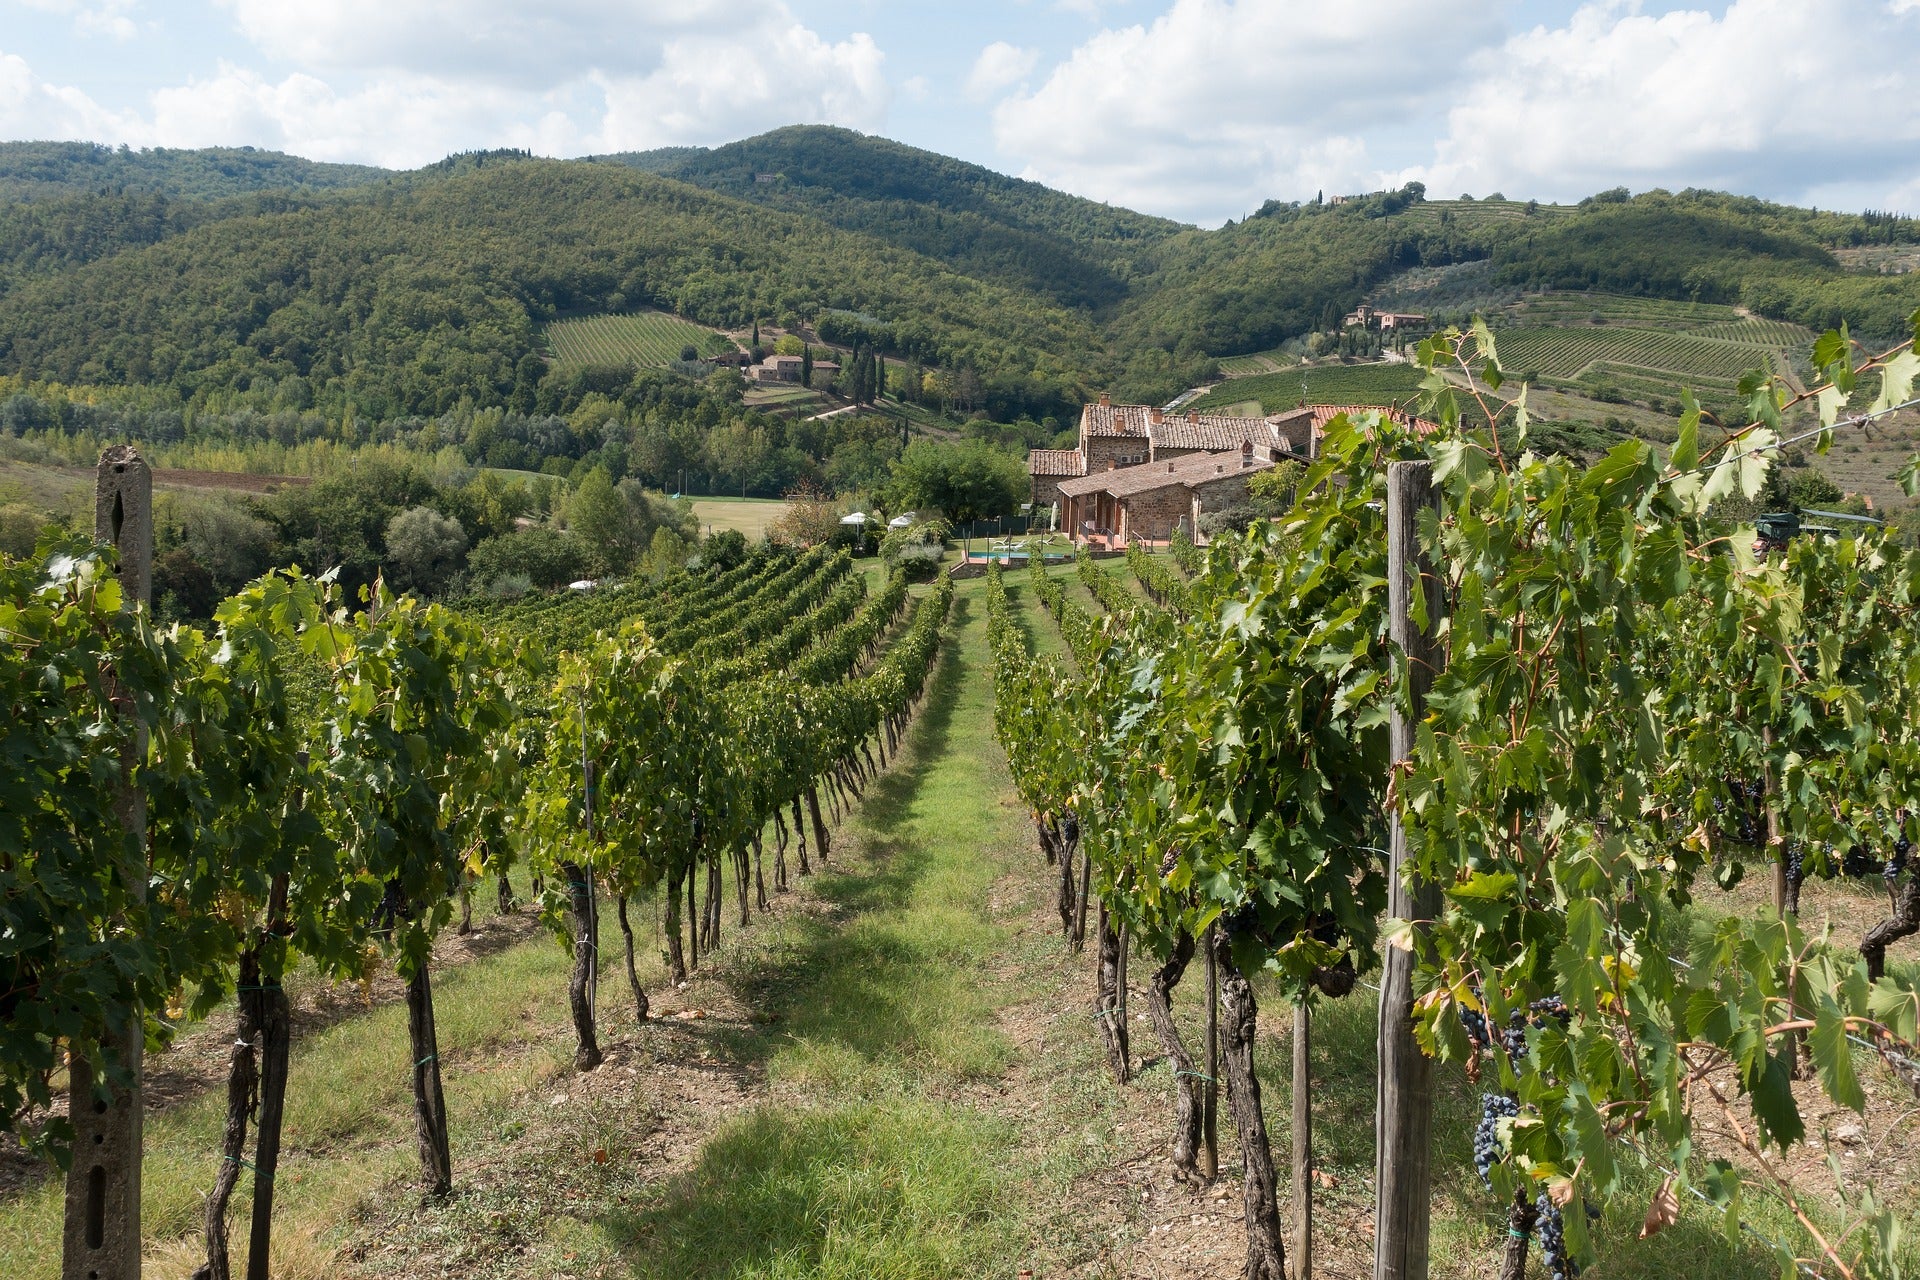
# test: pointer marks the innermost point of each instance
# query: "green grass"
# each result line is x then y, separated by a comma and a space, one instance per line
643, 340
1364, 384
751, 516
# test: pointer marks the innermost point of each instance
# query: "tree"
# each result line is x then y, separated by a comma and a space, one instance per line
811, 518
603, 523
424, 548
544, 556
969, 481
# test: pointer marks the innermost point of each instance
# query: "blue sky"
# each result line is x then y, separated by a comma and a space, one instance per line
1195, 109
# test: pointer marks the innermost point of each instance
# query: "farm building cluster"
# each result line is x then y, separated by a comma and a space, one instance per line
1139, 472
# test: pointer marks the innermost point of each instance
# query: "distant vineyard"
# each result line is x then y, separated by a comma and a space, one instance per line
647, 340
1768, 333
1371, 384
1568, 354
1255, 364
1568, 308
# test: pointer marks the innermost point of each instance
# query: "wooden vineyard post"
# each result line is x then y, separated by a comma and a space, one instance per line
1302, 1141
1210, 1104
1404, 1110
102, 1231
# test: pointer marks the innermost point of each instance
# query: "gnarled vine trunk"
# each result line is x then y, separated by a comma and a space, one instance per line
1266, 1251
1110, 975
641, 1006
676, 956
242, 1085
274, 1020
820, 844
1520, 1222
1187, 1094
1903, 923
429, 1101
800, 830
585, 958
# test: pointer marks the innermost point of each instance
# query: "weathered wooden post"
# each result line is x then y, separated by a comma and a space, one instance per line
1302, 1140
1404, 1115
102, 1240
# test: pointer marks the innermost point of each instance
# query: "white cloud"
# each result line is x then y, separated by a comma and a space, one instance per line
999, 67
404, 83
106, 18
500, 41
36, 109
1219, 104
1777, 96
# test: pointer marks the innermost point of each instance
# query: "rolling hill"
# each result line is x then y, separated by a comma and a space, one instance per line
251, 278
1077, 252
48, 170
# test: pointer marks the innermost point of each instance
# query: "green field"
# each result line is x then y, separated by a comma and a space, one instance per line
751, 516
644, 340
786, 399
1370, 384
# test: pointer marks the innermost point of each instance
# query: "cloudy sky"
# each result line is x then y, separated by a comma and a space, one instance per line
1195, 109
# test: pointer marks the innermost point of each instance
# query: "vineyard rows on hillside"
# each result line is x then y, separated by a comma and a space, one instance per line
1568, 353
646, 340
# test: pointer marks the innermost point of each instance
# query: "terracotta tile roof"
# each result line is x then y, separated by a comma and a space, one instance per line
1055, 462
1194, 469
1104, 419
1210, 431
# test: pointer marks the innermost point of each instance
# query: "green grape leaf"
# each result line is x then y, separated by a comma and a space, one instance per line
1833, 1056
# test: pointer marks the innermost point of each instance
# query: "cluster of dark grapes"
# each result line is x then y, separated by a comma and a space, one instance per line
1514, 1038
1897, 860
1488, 1150
1857, 862
1476, 1024
1748, 827
1553, 1241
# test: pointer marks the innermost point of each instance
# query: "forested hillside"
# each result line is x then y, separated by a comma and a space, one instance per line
230, 278
412, 296
981, 223
42, 170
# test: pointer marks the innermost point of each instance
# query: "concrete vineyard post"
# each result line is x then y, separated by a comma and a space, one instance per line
1404, 1112
102, 1236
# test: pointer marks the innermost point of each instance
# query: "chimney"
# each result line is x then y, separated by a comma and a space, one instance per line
1246, 453
1169, 468
1154, 416
1104, 402
1192, 416
1218, 467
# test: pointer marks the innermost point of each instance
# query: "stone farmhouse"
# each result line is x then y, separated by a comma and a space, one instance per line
1139, 473
1368, 318
790, 369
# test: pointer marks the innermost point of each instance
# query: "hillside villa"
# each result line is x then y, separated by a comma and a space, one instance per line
1368, 318
1139, 473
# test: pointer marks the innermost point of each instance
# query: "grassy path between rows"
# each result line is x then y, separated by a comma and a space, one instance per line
825, 1097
